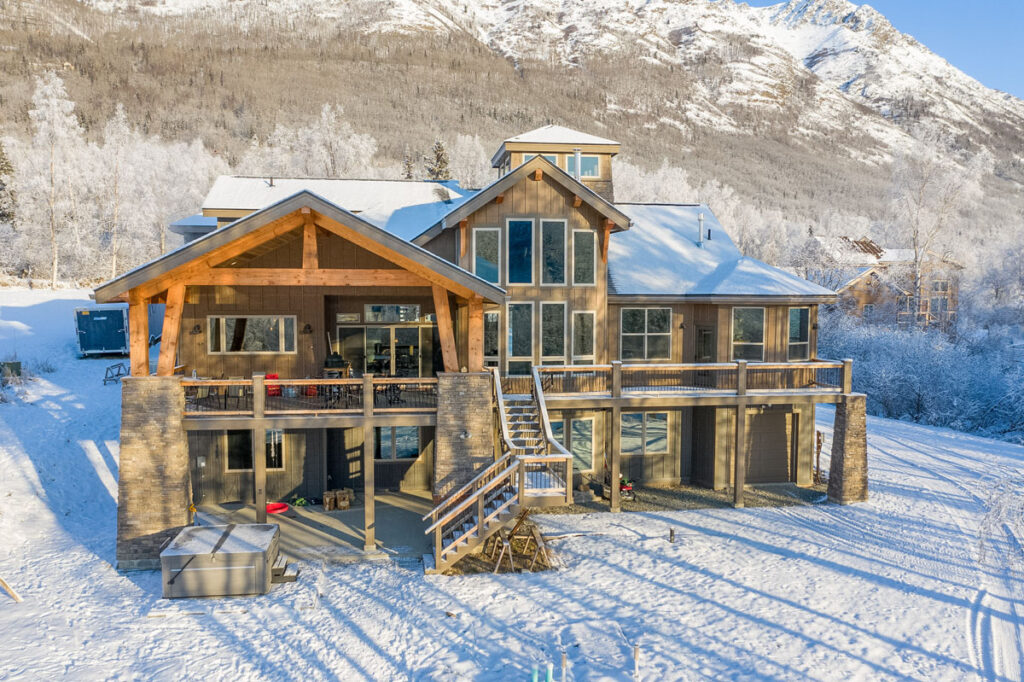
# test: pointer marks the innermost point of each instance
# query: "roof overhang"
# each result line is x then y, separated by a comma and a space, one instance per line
464, 280
722, 299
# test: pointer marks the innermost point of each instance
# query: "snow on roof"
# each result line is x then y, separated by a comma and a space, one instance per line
551, 134
659, 255
402, 207
194, 225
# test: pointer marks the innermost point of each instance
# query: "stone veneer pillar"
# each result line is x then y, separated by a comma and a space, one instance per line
154, 486
465, 429
848, 472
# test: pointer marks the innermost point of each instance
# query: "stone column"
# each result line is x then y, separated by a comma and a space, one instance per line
848, 471
154, 485
464, 441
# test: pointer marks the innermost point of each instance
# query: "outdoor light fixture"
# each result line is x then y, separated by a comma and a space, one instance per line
196, 330
308, 329
464, 435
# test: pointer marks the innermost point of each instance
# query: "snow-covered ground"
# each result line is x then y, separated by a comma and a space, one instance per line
899, 587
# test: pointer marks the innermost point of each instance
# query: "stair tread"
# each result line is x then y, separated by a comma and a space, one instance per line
289, 576
280, 564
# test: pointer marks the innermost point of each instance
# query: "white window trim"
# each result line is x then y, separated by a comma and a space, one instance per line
643, 433
593, 339
227, 460
533, 252
732, 335
495, 358
565, 324
565, 252
645, 334
212, 321
593, 237
509, 358
789, 322
583, 156
500, 253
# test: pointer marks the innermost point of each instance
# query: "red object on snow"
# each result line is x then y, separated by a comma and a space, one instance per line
276, 507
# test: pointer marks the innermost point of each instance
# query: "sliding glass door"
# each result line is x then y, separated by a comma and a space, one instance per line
388, 350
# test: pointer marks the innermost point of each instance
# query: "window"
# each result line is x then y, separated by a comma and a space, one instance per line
239, 450
644, 433
520, 338
520, 252
584, 257
391, 312
552, 252
552, 330
646, 334
799, 333
748, 334
251, 334
397, 442
550, 157
487, 253
590, 166
579, 440
491, 327
583, 336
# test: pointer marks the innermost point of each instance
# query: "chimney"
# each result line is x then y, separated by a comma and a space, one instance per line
579, 159
700, 230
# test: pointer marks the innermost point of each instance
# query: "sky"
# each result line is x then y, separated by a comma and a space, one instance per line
982, 38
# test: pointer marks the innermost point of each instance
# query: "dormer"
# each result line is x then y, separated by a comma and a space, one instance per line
585, 157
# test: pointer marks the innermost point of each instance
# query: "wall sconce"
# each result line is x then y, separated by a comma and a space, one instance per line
464, 435
308, 329
196, 330
814, 326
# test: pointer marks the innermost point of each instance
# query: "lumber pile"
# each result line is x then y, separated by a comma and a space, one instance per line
338, 499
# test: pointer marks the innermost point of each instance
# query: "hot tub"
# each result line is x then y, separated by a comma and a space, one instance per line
217, 561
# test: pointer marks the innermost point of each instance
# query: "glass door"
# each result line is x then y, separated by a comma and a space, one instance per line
406, 353
379, 350
352, 346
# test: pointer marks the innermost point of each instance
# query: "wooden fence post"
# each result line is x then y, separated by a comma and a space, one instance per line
741, 377
847, 376
369, 494
259, 447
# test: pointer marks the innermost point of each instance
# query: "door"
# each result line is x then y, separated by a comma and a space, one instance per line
705, 350
352, 346
768, 449
378, 350
406, 352
102, 330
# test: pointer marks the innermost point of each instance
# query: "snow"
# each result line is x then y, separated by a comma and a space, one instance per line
917, 583
552, 134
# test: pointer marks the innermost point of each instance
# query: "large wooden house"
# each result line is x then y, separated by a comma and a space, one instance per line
496, 348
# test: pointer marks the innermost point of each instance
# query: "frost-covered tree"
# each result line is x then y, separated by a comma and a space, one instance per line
6, 188
116, 138
408, 167
470, 164
436, 165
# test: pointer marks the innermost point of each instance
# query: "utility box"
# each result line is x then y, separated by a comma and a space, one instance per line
220, 561
102, 329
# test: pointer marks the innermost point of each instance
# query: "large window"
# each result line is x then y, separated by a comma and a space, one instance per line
550, 157
397, 442
590, 166
646, 334
239, 450
520, 252
582, 336
579, 440
391, 312
520, 338
251, 334
584, 257
799, 333
644, 433
748, 334
491, 338
487, 253
552, 331
552, 251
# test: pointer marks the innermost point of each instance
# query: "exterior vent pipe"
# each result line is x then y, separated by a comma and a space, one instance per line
700, 230
579, 159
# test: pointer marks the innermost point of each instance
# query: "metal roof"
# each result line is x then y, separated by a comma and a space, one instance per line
552, 134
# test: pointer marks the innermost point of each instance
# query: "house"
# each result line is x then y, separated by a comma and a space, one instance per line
490, 349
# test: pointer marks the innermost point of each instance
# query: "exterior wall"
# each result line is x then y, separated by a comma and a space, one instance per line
603, 184
465, 407
848, 471
153, 474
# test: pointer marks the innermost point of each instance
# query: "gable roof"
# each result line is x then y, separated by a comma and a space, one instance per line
552, 134
305, 198
660, 257
520, 173
402, 207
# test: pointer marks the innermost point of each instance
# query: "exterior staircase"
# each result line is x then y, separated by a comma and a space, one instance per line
533, 470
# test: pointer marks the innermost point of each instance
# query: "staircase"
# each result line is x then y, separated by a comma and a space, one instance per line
533, 470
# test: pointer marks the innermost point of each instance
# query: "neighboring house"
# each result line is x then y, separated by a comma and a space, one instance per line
494, 349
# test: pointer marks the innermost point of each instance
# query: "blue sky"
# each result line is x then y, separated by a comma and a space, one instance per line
982, 38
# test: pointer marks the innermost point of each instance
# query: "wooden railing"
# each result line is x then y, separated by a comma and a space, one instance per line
560, 466
234, 397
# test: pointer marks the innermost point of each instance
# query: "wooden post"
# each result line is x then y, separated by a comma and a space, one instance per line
740, 460
138, 334
445, 329
741, 377
605, 238
463, 239
476, 334
171, 330
259, 448
847, 376
369, 497
615, 501
310, 256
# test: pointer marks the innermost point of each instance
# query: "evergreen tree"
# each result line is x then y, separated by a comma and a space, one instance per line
408, 168
437, 164
6, 188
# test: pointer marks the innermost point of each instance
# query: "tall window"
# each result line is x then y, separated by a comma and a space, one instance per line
520, 252
578, 439
582, 336
552, 252
251, 334
520, 338
644, 433
239, 450
487, 253
748, 334
590, 166
552, 331
584, 257
799, 333
646, 334
491, 338
397, 442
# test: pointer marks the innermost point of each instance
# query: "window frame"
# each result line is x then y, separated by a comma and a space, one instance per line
500, 252
593, 336
495, 359
732, 331
789, 329
215, 322
571, 158
509, 357
646, 333
568, 441
227, 458
643, 432
565, 311
565, 252
593, 255
533, 251
379, 444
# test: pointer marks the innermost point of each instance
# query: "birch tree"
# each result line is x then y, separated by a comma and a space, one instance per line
469, 162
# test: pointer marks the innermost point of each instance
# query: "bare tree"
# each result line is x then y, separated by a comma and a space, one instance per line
116, 136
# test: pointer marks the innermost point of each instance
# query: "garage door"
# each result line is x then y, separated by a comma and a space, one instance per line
768, 459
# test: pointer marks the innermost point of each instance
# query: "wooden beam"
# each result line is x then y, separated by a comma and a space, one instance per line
138, 333
369, 485
171, 330
445, 330
538, 174
310, 257
577, 201
259, 448
476, 334
307, 278
605, 238
740, 461
463, 238
500, 198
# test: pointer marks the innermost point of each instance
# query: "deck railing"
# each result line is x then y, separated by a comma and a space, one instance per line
234, 397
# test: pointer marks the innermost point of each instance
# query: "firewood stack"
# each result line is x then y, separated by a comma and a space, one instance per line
337, 500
